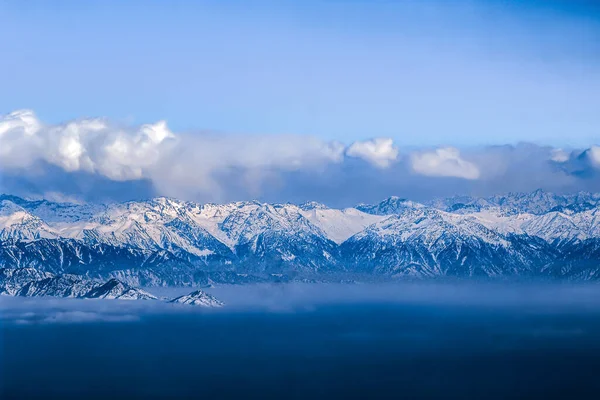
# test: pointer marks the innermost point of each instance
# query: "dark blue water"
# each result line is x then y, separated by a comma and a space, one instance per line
331, 351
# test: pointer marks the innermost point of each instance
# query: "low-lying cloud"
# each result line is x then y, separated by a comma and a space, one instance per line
301, 297
98, 159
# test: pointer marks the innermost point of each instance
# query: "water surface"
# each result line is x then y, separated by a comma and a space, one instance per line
354, 343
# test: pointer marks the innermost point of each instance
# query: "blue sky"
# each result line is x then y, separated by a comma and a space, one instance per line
421, 72
334, 101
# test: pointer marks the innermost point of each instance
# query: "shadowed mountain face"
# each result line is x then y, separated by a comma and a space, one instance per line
169, 242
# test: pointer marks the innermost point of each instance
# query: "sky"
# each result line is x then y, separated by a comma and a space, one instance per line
362, 87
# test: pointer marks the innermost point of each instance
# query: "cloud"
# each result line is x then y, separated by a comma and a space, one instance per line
593, 155
212, 163
173, 163
379, 151
444, 162
88, 145
559, 155
96, 159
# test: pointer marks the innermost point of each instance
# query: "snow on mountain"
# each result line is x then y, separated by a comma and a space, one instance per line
428, 226
389, 206
58, 286
496, 219
53, 212
250, 219
557, 226
68, 256
114, 289
17, 223
338, 225
538, 202
28, 282
269, 237
429, 242
198, 298
170, 242
13, 279
551, 226
211, 216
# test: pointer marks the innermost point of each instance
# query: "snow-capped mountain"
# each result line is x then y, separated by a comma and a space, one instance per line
389, 206
13, 279
69, 256
18, 223
275, 237
58, 286
538, 202
430, 242
29, 282
338, 225
115, 289
198, 298
170, 242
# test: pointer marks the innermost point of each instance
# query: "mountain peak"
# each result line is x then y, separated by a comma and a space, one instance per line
391, 205
198, 298
312, 205
115, 289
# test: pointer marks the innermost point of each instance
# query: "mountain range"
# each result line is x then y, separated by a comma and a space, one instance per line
165, 241
29, 282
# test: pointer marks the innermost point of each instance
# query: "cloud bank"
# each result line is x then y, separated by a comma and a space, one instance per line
99, 159
297, 297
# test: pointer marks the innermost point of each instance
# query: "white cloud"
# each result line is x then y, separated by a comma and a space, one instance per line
193, 165
152, 151
594, 155
223, 167
444, 162
559, 155
23, 121
90, 145
380, 152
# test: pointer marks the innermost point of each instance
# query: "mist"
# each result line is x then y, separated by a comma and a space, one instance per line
305, 298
